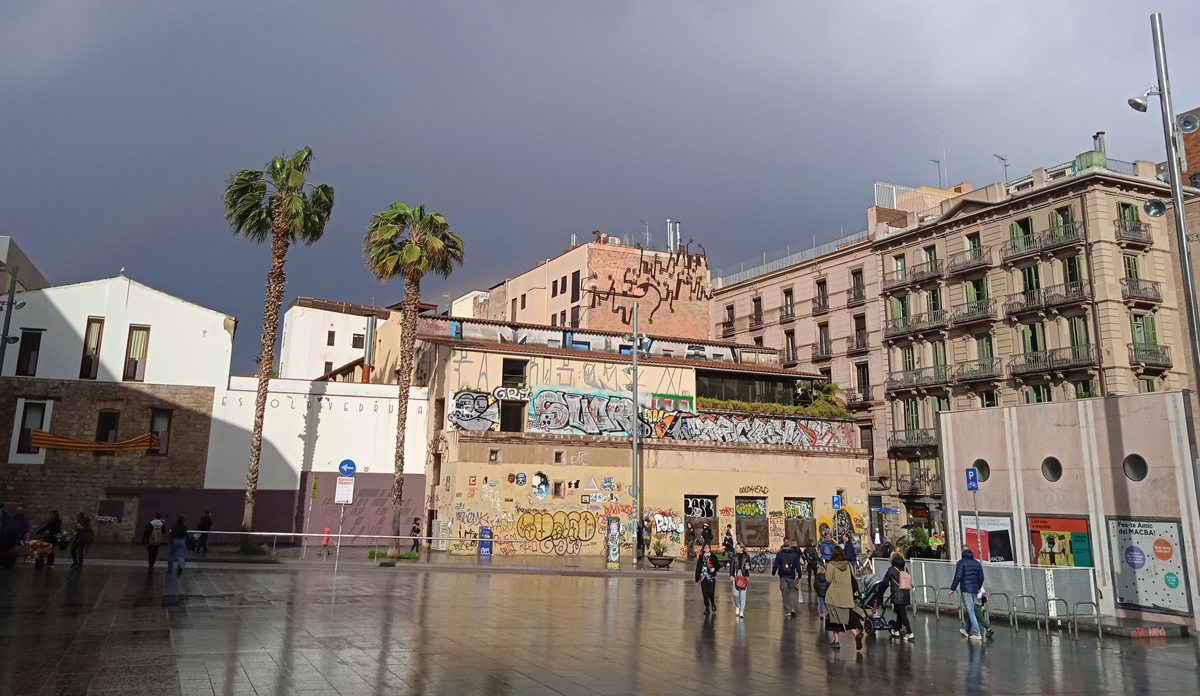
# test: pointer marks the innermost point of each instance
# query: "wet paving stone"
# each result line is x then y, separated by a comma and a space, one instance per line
114, 629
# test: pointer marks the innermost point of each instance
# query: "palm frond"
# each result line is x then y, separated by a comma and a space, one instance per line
408, 241
247, 208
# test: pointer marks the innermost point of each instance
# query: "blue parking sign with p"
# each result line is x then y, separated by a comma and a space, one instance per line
972, 479
837, 502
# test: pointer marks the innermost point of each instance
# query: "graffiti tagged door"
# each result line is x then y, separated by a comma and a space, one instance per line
799, 524
699, 510
753, 529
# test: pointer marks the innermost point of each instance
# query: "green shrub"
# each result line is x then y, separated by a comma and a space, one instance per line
251, 549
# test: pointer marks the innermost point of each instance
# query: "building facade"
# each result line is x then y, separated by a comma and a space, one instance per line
320, 336
1051, 287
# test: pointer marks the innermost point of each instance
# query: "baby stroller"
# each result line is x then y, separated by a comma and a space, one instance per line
872, 589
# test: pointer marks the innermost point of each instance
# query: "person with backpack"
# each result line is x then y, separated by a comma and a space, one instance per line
786, 565
821, 586
739, 571
899, 580
727, 543
152, 537
811, 559
968, 573
179, 537
707, 565
80, 540
827, 548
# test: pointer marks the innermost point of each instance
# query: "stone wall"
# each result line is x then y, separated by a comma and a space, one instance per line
77, 481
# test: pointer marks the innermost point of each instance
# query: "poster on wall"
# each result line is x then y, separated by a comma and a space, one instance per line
1149, 565
753, 528
995, 533
1060, 541
612, 542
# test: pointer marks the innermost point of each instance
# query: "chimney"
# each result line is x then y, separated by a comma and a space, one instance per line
678, 233
572, 240
669, 237
1098, 141
369, 354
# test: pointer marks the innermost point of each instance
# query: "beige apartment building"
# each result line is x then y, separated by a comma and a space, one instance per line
1051, 287
594, 285
822, 309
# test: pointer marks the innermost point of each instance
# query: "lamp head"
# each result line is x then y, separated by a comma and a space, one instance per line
1154, 207
1138, 104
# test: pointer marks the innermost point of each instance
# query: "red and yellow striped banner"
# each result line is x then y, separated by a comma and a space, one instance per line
43, 439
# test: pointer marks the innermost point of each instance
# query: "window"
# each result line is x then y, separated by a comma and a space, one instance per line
912, 419
27, 354
513, 314
328, 367
90, 366
900, 307
329, 338
1146, 386
562, 285
513, 373
789, 345
1038, 394
729, 313
862, 378
930, 257
756, 307
522, 300
1135, 467
1033, 338
106, 430
789, 300
558, 456
1072, 270
823, 337
575, 286
758, 341
135, 353
33, 417
439, 414
1020, 235
898, 265
822, 289
358, 340
907, 359
160, 426
826, 374
983, 347
987, 399
983, 469
856, 280
939, 404
558, 489
1143, 329
1052, 469
493, 456
575, 317
1030, 278
1131, 266
1062, 217
562, 318
939, 353
553, 320
512, 416
976, 290
974, 243
554, 288
1127, 212
1085, 389
1077, 327
933, 300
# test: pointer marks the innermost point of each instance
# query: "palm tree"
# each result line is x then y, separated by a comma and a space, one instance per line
273, 204
408, 242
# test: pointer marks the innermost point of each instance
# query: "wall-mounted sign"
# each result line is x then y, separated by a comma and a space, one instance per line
995, 533
1148, 565
1059, 541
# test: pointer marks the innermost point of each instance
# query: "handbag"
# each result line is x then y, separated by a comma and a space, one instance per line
741, 582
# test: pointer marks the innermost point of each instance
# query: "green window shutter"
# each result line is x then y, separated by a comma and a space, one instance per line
1072, 271
1079, 333
933, 301
1131, 266
983, 346
1055, 219
1014, 233
971, 296
1151, 333
896, 308
939, 353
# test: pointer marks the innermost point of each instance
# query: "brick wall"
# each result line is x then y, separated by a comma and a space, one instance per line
673, 292
76, 481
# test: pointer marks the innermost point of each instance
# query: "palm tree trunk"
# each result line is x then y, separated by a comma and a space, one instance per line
275, 281
408, 344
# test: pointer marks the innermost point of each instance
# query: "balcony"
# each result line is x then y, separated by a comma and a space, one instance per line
858, 343
1149, 355
971, 312
1028, 301
920, 485
860, 398
727, 328
822, 350
790, 357
1067, 358
899, 326
1133, 232
902, 379
1135, 290
1068, 293
929, 270
971, 258
935, 319
1020, 246
894, 279
756, 320
787, 312
857, 294
1064, 235
820, 304
924, 377
975, 370
912, 439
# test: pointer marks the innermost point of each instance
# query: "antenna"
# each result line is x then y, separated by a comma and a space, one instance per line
938, 162
1004, 162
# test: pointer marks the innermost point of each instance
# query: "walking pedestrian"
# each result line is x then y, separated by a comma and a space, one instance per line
739, 571
178, 549
689, 537
899, 580
204, 526
787, 565
706, 534
811, 559
795, 546
707, 565
152, 537
415, 533
821, 586
982, 613
80, 540
968, 573
849, 551
50, 533
728, 543
841, 614
827, 547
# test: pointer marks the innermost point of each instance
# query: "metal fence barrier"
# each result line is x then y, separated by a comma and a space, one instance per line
1095, 612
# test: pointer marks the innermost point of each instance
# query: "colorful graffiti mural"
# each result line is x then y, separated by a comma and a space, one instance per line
473, 410
844, 521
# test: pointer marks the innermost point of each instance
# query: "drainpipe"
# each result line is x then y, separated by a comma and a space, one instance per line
369, 354
1087, 254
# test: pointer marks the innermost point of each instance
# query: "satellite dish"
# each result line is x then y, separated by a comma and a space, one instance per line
1154, 207
1189, 123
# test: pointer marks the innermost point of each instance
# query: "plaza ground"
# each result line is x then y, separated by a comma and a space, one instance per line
112, 628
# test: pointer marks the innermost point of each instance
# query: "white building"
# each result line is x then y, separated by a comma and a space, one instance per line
320, 336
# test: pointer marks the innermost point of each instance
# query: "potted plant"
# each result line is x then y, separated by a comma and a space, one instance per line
660, 559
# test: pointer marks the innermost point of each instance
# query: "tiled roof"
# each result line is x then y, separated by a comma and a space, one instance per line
517, 348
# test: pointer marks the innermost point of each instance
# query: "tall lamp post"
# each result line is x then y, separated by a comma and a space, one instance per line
635, 491
1172, 129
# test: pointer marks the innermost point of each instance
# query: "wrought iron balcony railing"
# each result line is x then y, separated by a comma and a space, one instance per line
986, 368
756, 320
1020, 246
1055, 359
1068, 293
822, 350
858, 342
898, 326
895, 279
1026, 301
971, 258
856, 294
1141, 290
1133, 231
727, 327
787, 312
856, 399
1150, 354
790, 356
934, 319
925, 271
1069, 233
923, 377
912, 439
970, 312
820, 304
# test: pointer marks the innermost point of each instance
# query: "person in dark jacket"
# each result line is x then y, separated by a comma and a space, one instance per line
739, 565
707, 566
848, 549
821, 586
50, 532
787, 565
689, 538
81, 539
18, 527
706, 534
968, 579
899, 581
179, 535
205, 525
811, 559
153, 537
727, 543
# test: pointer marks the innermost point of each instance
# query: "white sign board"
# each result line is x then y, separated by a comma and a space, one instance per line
995, 532
1148, 565
344, 495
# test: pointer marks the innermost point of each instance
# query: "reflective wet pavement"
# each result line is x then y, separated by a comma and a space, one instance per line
113, 629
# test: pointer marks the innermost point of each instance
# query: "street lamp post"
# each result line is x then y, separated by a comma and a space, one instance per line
635, 490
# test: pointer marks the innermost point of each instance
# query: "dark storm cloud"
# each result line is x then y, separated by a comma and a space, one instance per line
757, 124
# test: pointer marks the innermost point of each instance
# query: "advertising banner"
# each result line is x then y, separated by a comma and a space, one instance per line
995, 533
1149, 570
612, 542
1060, 541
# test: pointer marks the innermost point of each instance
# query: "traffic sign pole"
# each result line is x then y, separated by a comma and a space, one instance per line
338, 551
973, 486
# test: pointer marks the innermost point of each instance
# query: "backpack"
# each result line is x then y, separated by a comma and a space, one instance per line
787, 565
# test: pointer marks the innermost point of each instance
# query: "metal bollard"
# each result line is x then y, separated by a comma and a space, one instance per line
1036, 617
1075, 618
1066, 606
1012, 618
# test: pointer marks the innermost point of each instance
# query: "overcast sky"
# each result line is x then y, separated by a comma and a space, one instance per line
759, 124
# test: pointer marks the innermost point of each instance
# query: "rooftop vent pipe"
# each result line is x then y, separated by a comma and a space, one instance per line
1098, 141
